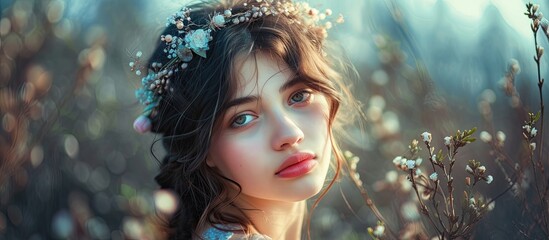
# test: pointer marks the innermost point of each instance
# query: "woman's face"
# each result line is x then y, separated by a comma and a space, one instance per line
274, 141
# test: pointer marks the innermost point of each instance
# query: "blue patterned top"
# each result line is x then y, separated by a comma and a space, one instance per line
213, 233
216, 234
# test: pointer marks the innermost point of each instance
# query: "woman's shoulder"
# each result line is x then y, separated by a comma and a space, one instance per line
230, 232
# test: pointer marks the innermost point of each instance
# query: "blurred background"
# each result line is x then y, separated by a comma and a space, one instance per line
73, 168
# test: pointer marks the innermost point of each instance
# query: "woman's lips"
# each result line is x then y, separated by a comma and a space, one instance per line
296, 165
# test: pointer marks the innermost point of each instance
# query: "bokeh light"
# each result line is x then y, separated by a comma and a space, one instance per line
165, 201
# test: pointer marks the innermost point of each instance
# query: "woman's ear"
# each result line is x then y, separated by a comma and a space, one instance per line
210, 162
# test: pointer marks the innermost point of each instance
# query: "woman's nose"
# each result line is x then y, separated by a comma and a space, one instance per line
286, 133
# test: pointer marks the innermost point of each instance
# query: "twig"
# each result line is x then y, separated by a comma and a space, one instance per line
423, 207
537, 19
370, 203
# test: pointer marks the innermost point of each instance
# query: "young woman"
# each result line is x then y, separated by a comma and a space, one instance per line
245, 98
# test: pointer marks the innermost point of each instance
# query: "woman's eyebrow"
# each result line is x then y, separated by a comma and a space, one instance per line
242, 100
290, 83
253, 98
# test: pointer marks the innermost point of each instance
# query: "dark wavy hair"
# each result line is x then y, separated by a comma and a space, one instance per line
189, 116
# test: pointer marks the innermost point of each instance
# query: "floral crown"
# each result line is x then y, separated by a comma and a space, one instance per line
192, 39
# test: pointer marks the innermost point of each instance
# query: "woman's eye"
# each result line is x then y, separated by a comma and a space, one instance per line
242, 120
301, 96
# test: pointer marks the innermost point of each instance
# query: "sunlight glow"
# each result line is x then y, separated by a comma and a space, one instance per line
470, 9
473, 10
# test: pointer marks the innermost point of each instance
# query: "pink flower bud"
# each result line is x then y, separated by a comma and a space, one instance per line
142, 124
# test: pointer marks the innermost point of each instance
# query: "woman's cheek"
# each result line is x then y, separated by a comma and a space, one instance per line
238, 155
319, 110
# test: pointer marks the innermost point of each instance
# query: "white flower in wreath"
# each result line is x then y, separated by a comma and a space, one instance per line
218, 20
197, 40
